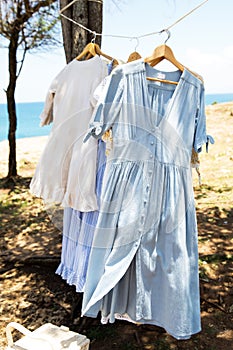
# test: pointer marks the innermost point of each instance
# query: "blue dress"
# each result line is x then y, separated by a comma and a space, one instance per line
78, 231
143, 264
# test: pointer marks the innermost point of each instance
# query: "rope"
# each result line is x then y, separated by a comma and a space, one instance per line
80, 25
67, 6
186, 15
123, 36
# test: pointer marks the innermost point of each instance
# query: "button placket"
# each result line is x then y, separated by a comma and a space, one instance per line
151, 143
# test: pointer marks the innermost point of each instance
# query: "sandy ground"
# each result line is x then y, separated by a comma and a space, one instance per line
27, 150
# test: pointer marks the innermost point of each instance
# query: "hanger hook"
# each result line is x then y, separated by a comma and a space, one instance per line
137, 42
93, 39
168, 34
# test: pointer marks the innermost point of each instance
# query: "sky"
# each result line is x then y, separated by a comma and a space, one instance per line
203, 42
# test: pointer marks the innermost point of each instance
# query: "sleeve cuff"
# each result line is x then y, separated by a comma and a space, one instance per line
206, 141
94, 131
209, 139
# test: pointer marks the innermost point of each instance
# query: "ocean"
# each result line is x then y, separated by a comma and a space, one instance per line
27, 120
28, 117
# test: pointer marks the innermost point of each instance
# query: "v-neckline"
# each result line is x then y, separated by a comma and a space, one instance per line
174, 94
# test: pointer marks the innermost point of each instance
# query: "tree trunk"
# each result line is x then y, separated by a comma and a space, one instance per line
12, 165
89, 14
79, 35
67, 30
95, 19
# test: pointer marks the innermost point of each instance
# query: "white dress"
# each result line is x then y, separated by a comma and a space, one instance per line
66, 171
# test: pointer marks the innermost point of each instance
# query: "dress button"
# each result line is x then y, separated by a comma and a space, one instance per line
152, 142
153, 129
98, 130
151, 156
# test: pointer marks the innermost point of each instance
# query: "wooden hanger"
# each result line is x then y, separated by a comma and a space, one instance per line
163, 52
134, 56
88, 49
93, 49
101, 53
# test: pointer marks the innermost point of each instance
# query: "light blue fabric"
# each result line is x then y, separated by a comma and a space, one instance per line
144, 257
78, 231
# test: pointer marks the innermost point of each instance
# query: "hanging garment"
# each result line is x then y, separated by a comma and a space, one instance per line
66, 171
79, 227
78, 231
143, 264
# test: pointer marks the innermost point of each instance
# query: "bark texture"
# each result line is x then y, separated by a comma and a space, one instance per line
89, 14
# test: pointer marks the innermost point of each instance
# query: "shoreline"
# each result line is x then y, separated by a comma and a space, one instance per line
29, 149
207, 94
25, 138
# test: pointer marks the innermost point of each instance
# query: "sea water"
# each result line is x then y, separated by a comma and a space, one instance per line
28, 117
27, 120
218, 98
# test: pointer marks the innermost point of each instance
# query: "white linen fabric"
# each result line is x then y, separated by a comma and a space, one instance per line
66, 171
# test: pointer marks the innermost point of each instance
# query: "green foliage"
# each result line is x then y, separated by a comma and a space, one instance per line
36, 23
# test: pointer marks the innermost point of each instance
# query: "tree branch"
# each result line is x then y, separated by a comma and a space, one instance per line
28, 14
22, 61
42, 4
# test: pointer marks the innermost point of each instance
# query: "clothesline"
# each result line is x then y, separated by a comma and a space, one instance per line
124, 36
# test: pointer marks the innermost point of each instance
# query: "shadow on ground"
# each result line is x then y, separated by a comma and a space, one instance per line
32, 294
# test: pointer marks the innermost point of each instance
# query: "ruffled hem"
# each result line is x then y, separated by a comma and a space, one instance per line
71, 277
74, 203
54, 196
126, 317
59, 196
117, 316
